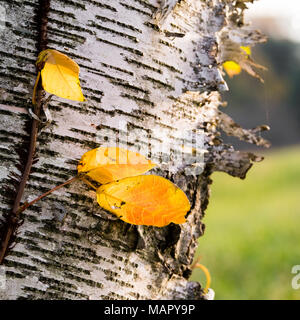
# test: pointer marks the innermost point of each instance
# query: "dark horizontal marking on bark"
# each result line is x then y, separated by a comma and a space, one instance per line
49, 227
20, 70
12, 76
165, 126
39, 188
62, 44
70, 106
102, 5
75, 56
94, 91
119, 112
6, 139
45, 180
61, 266
14, 134
62, 14
177, 100
26, 51
17, 102
42, 294
18, 254
116, 68
52, 167
81, 197
121, 24
5, 200
5, 112
173, 34
14, 56
130, 86
103, 74
125, 260
135, 9
147, 5
85, 133
177, 27
166, 65
180, 79
61, 290
170, 45
120, 282
88, 282
152, 26
73, 161
132, 50
31, 218
85, 250
66, 34
137, 99
138, 296
94, 98
46, 136
23, 3
65, 25
24, 33
30, 245
48, 152
19, 265
110, 273
145, 114
118, 33
140, 64
114, 295
160, 83
77, 5
14, 275
133, 125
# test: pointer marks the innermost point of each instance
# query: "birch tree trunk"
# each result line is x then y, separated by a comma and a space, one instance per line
151, 74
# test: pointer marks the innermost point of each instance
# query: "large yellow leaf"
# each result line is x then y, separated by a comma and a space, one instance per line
60, 75
144, 200
106, 164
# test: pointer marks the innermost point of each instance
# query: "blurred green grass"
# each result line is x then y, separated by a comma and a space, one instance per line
252, 235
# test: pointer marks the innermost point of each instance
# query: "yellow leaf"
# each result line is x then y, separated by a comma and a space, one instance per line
232, 68
60, 75
106, 164
144, 200
246, 49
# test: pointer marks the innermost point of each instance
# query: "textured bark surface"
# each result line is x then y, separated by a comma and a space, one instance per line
150, 73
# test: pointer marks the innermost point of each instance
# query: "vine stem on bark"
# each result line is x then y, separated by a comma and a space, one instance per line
13, 219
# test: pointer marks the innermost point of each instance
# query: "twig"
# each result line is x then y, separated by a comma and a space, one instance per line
28, 204
13, 219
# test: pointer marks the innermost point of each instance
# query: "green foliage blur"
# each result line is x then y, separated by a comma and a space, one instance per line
252, 237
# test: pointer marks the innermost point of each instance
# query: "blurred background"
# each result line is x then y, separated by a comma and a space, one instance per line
252, 237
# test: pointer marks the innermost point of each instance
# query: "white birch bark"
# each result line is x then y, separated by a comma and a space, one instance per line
147, 90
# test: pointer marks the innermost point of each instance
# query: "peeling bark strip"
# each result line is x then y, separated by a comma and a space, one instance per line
147, 92
12, 222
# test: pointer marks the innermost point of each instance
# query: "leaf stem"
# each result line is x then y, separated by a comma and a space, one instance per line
88, 183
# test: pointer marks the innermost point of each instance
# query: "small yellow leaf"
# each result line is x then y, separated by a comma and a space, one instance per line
246, 49
107, 164
60, 75
232, 68
144, 200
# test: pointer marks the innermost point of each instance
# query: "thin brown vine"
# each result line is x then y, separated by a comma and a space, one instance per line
12, 222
